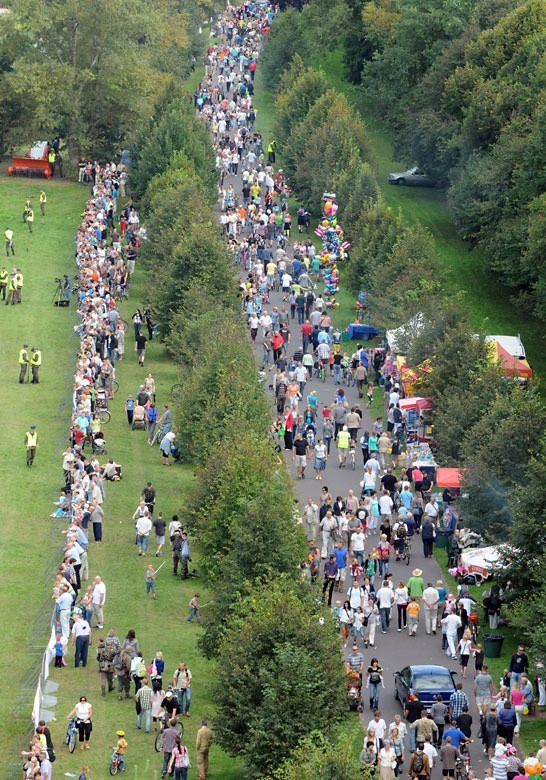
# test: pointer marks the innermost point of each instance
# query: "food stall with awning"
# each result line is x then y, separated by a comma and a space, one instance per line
415, 409
449, 478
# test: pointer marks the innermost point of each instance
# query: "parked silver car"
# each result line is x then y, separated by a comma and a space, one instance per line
415, 177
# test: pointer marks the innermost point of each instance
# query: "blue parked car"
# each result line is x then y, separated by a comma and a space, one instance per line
427, 680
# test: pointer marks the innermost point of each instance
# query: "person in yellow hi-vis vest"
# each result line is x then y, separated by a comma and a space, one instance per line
31, 444
51, 161
30, 218
35, 363
23, 363
43, 201
271, 150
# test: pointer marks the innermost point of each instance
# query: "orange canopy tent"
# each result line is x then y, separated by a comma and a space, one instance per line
449, 478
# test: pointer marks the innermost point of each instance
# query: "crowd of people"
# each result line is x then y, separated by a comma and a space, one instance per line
388, 510
106, 252
290, 326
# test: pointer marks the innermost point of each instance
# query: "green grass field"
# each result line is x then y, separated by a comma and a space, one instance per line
32, 542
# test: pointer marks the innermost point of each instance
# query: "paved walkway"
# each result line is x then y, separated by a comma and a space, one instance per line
395, 650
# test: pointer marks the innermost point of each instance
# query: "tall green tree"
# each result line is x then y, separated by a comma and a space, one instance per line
496, 453
91, 82
280, 678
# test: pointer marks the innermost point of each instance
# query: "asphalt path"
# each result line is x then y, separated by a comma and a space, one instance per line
395, 650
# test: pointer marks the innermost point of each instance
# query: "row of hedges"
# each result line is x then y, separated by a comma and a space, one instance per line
279, 670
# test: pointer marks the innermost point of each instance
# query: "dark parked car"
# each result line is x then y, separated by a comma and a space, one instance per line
415, 177
427, 680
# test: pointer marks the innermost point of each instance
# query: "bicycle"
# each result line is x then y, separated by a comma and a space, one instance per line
347, 375
104, 416
115, 763
115, 386
406, 551
320, 371
158, 744
71, 735
462, 764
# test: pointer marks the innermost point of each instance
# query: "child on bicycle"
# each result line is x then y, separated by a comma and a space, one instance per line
120, 748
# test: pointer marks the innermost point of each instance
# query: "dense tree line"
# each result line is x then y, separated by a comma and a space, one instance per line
90, 71
462, 83
447, 76
280, 659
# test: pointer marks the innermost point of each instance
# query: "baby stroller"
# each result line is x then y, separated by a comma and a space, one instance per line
99, 444
310, 432
354, 691
139, 418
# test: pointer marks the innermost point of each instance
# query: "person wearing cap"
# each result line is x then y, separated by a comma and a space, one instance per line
120, 748
23, 363
31, 444
35, 363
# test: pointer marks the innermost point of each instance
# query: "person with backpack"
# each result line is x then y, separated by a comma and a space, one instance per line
399, 533
419, 763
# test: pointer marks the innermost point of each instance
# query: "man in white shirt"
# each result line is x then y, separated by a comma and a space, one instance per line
355, 594
327, 525
358, 539
81, 637
310, 519
386, 504
399, 724
379, 727
98, 600
432, 510
301, 376
374, 463
143, 527
430, 751
385, 598
452, 623
430, 604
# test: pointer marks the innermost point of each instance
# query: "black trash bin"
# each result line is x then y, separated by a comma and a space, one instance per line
443, 535
492, 645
